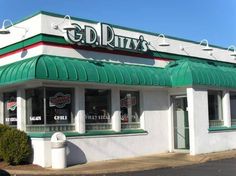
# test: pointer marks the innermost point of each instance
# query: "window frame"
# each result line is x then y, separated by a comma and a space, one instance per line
90, 126
55, 127
219, 121
5, 107
136, 124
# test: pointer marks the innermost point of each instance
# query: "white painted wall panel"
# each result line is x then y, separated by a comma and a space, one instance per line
24, 54
201, 140
97, 148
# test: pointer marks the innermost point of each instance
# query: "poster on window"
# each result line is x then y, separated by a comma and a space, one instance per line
10, 110
59, 107
59, 100
11, 104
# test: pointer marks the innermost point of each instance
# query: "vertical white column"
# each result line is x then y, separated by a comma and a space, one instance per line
142, 116
226, 108
115, 107
198, 119
191, 119
170, 124
21, 109
79, 110
1, 109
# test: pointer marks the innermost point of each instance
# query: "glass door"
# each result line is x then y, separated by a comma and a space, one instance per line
181, 125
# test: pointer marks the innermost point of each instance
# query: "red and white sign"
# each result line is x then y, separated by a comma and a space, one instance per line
59, 100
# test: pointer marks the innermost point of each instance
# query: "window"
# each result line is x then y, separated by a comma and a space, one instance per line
10, 109
130, 111
49, 109
58, 106
233, 107
98, 109
215, 108
34, 106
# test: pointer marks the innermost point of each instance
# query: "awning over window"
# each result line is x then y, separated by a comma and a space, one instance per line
208, 73
46, 67
180, 73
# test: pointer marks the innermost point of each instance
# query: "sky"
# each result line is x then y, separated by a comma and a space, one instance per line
214, 20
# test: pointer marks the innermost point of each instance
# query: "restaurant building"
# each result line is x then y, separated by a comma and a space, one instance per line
115, 92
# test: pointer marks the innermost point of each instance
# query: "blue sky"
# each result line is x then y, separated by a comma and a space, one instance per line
214, 20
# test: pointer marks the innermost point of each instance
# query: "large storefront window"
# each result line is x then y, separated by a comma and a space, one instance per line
233, 107
98, 109
215, 108
49, 109
59, 106
34, 106
10, 109
130, 111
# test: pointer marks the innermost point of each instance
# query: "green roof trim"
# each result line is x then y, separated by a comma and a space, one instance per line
88, 133
31, 41
61, 40
204, 73
46, 67
221, 128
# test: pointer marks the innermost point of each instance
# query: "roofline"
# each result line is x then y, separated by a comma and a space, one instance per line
116, 26
60, 40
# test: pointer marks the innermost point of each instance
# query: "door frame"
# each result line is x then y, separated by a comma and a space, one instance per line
172, 98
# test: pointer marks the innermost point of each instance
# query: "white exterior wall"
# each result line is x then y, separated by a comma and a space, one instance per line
42, 24
33, 25
42, 151
97, 148
191, 49
107, 57
201, 140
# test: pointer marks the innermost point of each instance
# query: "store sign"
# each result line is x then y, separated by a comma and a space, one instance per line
60, 118
60, 114
35, 118
59, 100
98, 117
11, 104
11, 119
105, 38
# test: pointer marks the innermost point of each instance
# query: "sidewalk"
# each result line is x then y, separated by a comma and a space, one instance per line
130, 164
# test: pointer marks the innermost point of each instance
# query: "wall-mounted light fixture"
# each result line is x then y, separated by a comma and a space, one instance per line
163, 42
230, 48
68, 26
206, 48
5, 30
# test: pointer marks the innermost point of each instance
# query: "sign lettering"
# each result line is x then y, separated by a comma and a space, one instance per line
107, 38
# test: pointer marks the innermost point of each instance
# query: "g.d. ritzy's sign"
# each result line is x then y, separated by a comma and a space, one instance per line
104, 37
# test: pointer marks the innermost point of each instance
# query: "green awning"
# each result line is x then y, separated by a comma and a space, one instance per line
208, 73
47, 67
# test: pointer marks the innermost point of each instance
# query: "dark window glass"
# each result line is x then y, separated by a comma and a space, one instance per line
34, 106
129, 106
215, 105
97, 105
233, 105
10, 108
59, 105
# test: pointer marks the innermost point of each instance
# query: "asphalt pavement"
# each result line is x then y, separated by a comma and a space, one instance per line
226, 167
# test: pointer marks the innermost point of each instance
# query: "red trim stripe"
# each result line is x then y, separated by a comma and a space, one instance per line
88, 48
